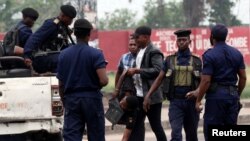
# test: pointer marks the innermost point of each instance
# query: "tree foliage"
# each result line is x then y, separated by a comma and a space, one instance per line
221, 12
157, 13
82, 6
161, 15
194, 11
10, 9
119, 19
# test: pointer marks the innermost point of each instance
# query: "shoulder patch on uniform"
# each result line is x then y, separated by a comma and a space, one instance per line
56, 21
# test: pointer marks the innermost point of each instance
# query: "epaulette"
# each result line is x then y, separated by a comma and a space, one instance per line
56, 21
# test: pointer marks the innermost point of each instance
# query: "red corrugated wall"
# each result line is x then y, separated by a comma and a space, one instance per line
115, 43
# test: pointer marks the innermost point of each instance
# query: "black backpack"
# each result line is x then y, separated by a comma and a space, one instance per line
10, 40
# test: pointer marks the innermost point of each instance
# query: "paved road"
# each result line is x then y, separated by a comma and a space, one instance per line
244, 119
149, 136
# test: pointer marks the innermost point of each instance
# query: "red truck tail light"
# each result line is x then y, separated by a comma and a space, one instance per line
56, 105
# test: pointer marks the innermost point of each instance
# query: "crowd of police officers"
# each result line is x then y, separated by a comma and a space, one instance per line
182, 77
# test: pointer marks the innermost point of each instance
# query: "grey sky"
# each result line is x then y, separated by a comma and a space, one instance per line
241, 10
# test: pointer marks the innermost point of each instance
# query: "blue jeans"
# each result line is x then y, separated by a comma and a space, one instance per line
81, 111
182, 113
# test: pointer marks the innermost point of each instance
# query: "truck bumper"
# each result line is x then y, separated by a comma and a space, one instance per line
50, 125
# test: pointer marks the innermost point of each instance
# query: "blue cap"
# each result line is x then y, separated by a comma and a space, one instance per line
219, 31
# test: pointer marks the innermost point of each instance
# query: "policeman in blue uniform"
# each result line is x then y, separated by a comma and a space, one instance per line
182, 70
82, 74
223, 65
30, 15
41, 49
24, 30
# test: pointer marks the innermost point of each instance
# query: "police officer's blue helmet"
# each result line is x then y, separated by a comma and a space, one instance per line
69, 11
30, 12
219, 32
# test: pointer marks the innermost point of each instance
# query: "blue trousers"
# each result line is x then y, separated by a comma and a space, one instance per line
80, 111
182, 113
220, 112
48, 63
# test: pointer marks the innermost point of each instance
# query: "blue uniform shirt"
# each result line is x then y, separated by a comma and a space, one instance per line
222, 64
183, 59
23, 33
48, 31
77, 67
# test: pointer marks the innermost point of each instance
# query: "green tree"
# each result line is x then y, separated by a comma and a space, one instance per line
162, 15
119, 19
194, 11
9, 10
221, 12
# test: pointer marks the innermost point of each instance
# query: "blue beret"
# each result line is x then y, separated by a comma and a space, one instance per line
82, 24
183, 33
69, 11
30, 12
142, 30
219, 31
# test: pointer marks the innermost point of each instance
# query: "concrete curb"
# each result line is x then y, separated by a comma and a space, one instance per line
244, 118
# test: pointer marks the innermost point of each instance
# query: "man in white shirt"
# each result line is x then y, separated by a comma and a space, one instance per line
149, 62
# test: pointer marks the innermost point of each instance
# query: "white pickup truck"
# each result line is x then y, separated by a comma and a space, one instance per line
30, 106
